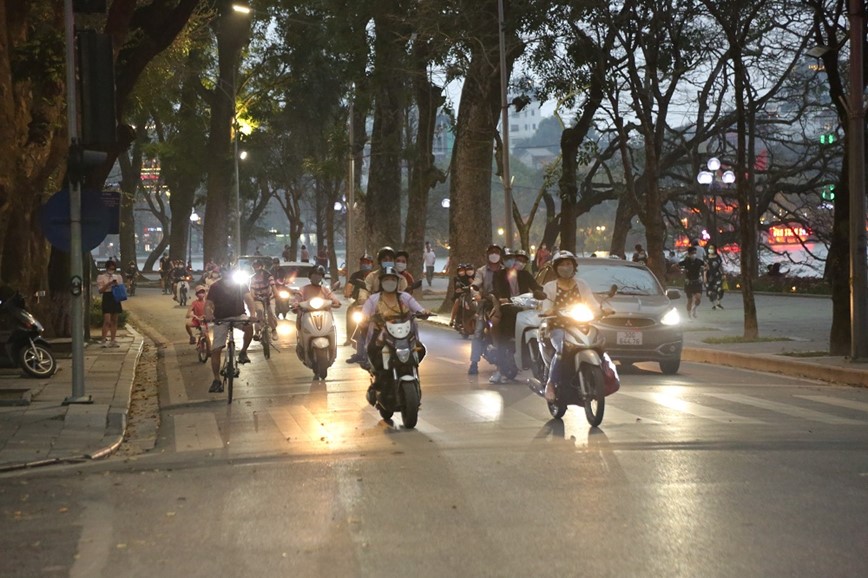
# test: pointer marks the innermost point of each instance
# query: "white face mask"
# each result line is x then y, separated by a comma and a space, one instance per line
519, 265
400, 267
566, 271
390, 285
315, 279
494, 258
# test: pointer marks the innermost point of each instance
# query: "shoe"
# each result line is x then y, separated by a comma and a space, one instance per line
355, 358
192, 340
113, 343
550, 393
371, 396
347, 343
719, 306
474, 368
104, 343
242, 357
495, 377
257, 337
216, 387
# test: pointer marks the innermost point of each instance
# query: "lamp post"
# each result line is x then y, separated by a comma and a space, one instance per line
194, 220
504, 122
708, 177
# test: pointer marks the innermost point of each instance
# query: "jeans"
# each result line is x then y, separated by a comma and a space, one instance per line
429, 274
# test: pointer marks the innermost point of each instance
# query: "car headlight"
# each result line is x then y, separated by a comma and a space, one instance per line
240, 277
357, 317
580, 312
671, 318
283, 294
317, 303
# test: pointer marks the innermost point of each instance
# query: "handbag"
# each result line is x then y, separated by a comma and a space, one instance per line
119, 292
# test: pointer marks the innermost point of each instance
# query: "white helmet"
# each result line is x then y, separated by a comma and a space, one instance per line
561, 255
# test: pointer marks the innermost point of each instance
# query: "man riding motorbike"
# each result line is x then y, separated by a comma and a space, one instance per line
389, 304
262, 287
483, 282
510, 282
385, 258
352, 291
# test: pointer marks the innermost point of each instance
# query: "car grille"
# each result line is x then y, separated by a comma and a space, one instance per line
628, 322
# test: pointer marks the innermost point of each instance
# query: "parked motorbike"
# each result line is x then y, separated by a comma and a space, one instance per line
395, 376
317, 339
183, 289
131, 277
21, 342
588, 374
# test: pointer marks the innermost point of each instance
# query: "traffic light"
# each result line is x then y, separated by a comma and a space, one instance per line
827, 138
828, 193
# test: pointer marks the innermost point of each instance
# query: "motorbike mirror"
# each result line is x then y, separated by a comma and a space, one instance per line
416, 284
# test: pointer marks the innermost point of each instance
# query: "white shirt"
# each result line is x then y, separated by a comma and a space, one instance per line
430, 257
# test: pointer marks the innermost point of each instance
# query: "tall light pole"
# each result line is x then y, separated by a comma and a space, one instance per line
194, 220
351, 187
707, 178
243, 10
504, 123
856, 159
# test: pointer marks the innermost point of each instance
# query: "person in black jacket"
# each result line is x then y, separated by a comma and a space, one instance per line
509, 282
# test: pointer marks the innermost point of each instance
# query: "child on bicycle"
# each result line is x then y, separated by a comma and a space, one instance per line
196, 316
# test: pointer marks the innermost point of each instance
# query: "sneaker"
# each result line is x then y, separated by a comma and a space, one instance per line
113, 343
495, 377
355, 358
216, 387
242, 357
474, 368
104, 343
192, 340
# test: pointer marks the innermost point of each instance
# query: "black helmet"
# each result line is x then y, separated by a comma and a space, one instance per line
366, 257
520, 253
381, 254
498, 248
389, 272
316, 269
462, 266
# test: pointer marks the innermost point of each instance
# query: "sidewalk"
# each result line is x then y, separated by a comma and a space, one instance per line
37, 429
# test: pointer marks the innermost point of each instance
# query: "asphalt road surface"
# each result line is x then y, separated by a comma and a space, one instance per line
711, 472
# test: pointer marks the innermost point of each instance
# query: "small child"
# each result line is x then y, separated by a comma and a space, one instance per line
196, 315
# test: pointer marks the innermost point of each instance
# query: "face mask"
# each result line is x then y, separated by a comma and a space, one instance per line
565, 271
471, 273
385, 264
494, 258
366, 266
400, 267
315, 279
109, 271
509, 263
390, 285
519, 265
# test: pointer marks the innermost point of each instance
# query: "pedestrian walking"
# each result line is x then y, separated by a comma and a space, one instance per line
287, 253
694, 277
111, 306
714, 275
543, 256
430, 258
305, 254
639, 255
322, 257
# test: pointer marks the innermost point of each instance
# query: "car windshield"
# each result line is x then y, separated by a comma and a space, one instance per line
630, 280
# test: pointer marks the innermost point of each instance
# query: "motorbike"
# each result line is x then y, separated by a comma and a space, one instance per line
395, 376
131, 277
21, 342
317, 339
465, 318
588, 374
282, 300
182, 289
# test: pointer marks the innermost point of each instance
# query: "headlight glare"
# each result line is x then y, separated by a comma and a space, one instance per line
671, 317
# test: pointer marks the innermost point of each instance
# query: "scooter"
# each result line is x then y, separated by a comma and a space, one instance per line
183, 289
317, 339
395, 376
21, 342
588, 374
282, 300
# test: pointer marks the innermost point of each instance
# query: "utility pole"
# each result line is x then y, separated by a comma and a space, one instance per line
504, 123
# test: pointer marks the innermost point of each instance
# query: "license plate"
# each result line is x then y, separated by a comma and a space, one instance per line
629, 338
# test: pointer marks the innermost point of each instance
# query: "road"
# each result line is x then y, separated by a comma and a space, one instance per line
712, 472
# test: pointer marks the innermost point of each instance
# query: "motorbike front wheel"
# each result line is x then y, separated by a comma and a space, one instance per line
595, 398
320, 363
37, 360
182, 298
410, 409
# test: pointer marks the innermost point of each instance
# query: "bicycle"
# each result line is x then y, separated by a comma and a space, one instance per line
265, 335
203, 347
230, 369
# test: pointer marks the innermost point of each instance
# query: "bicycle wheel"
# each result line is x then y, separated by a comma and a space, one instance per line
266, 341
229, 376
202, 349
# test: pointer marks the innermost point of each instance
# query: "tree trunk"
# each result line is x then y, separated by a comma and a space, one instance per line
747, 224
129, 184
621, 228
571, 138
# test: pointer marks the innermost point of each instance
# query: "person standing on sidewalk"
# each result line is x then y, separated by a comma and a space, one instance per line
111, 307
714, 290
694, 277
430, 258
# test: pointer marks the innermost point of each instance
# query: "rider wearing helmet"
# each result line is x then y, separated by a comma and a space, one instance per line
484, 280
483, 283
353, 291
510, 282
560, 293
385, 258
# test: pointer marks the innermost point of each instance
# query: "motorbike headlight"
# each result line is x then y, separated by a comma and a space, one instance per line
284, 329
283, 294
358, 317
317, 303
580, 312
240, 277
671, 318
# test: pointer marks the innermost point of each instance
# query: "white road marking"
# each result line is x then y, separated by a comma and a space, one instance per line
452, 361
614, 416
196, 431
677, 404
786, 409
848, 403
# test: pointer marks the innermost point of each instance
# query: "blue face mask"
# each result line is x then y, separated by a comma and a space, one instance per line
509, 263
366, 266
385, 264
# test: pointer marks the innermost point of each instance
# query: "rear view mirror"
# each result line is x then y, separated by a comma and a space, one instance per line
673, 294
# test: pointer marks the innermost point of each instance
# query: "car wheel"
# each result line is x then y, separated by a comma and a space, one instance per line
670, 367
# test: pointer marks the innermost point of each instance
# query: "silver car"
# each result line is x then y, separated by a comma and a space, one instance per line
645, 326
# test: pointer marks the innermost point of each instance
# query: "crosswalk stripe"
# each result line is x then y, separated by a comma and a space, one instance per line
616, 416
848, 403
452, 361
786, 409
677, 404
196, 431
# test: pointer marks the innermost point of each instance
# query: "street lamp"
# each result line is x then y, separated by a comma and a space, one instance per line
708, 178
445, 203
194, 220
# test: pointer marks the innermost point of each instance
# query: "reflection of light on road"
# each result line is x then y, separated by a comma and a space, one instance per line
488, 404
285, 328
